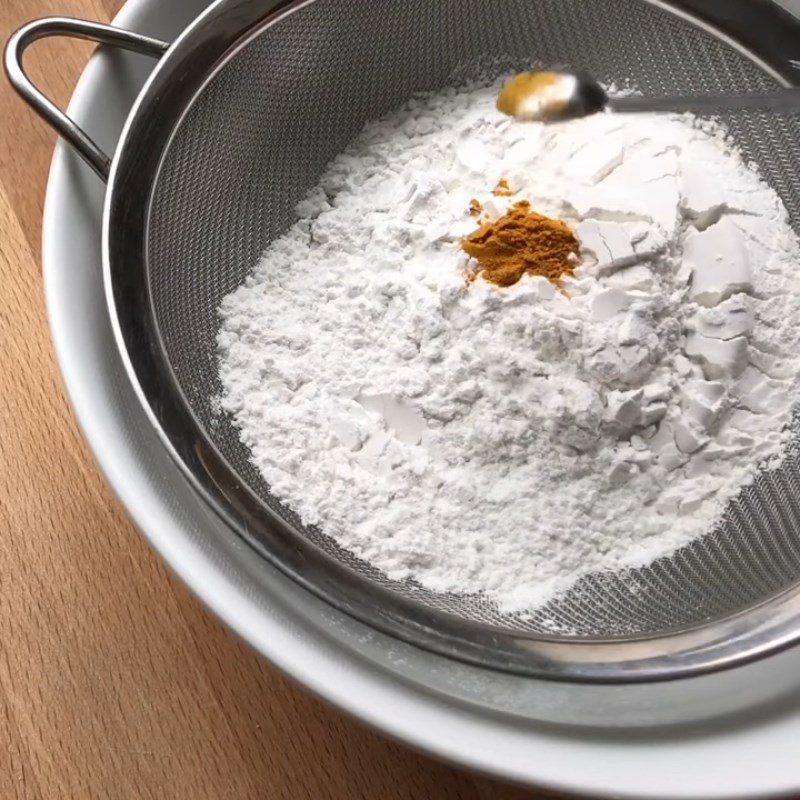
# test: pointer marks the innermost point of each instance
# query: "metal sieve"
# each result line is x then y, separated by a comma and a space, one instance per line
238, 120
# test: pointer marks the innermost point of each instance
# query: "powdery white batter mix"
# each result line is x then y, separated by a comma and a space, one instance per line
508, 441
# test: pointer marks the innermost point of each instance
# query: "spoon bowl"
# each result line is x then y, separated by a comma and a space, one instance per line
551, 96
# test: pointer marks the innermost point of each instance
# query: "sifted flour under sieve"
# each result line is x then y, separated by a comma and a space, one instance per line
509, 440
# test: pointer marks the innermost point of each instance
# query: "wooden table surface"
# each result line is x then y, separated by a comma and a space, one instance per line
114, 681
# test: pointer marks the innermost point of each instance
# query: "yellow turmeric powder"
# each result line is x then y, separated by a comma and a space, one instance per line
502, 189
520, 242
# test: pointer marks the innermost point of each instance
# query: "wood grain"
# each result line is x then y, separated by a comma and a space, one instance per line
114, 682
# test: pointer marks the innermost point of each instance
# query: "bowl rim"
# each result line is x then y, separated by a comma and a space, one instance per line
301, 635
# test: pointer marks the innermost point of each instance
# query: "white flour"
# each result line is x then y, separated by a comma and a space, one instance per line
508, 441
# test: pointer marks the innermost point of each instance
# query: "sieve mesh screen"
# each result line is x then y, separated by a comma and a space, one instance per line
264, 128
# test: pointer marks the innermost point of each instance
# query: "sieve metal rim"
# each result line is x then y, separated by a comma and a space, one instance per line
652, 658
192, 60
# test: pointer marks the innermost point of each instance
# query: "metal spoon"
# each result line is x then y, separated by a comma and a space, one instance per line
553, 96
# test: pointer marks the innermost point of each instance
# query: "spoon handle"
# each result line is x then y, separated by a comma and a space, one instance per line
787, 100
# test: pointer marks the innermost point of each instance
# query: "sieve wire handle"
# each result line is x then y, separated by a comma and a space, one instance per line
45, 108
